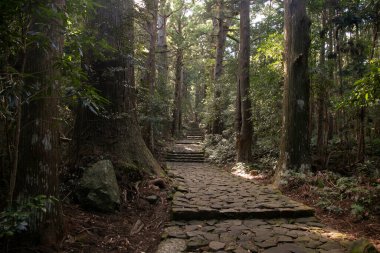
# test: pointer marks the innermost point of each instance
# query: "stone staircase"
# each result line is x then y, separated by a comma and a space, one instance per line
188, 150
194, 134
185, 157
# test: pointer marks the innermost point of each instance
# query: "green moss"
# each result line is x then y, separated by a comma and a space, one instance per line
127, 167
131, 171
362, 246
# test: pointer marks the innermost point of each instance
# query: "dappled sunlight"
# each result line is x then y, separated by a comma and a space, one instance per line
242, 170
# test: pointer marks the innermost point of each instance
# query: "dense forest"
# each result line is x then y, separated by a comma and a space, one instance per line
287, 90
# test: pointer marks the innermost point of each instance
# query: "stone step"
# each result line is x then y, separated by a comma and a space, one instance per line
185, 157
194, 133
197, 142
186, 152
205, 213
185, 160
192, 137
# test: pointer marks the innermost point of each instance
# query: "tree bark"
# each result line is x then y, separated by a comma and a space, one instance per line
177, 110
217, 124
294, 153
115, 136
163, 64
150, 73
322, 96
361, 135
245, 128
39, 138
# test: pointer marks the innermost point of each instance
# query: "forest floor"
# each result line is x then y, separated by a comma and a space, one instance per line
344, 222
136, 228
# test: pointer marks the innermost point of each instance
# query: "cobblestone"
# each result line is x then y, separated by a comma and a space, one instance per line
214, 211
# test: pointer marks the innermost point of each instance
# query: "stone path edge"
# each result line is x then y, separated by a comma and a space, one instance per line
183, 214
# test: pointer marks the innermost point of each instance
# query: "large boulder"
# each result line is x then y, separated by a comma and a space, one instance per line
98, 188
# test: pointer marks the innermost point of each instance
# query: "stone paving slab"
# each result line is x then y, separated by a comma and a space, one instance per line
205, 192
301, 235
214, 211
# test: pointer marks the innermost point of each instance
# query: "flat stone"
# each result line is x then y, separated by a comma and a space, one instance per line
189, 228
215, 245
227, 237
208, 228
248, 245
330, 246
172, 245
175, 232
211, 237
286, 248
271, 242
284, 238
240, 250
196, 242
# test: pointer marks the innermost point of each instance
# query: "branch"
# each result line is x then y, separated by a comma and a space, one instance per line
233, 38
174, 11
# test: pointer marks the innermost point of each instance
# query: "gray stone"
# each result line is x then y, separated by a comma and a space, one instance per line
270, 242
196, 242
284, 238
175, 231
215, 245
211, 237
172, 245
98, 188
286, 248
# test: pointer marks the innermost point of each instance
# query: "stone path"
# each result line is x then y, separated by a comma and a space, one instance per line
188, 150
214, 211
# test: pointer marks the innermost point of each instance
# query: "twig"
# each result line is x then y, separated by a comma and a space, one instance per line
87, 229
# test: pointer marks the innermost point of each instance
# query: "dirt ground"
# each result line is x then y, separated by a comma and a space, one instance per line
136, 228
347, 223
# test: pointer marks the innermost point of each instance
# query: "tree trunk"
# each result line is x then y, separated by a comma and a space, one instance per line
361, 135
150, 73
177, 110
39, 138
245, 129
217, 124
115, 136
294, 153
163, 64
322, 96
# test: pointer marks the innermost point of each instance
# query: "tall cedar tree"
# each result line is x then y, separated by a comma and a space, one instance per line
149, 81
294, 153
39, 137
217, 124
178, 86
243, 106
115, 136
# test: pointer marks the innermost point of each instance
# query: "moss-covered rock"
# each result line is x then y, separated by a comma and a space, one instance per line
98, 188
362, 246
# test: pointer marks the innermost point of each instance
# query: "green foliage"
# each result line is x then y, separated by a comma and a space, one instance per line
15, 220
358, 210
333, 191
266, 79
220, 149
366, 90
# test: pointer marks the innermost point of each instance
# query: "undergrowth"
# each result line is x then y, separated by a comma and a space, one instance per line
336, 194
